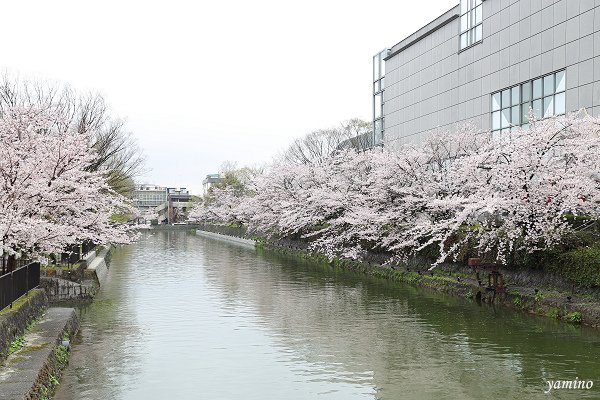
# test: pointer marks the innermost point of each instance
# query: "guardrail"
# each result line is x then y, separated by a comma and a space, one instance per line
18, 282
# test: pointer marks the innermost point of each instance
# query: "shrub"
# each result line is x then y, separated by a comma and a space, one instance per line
581, 266
574, 317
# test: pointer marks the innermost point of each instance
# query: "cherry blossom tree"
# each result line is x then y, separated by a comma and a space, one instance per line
117, 152
521, 191
48, 198
149, 215
494, 195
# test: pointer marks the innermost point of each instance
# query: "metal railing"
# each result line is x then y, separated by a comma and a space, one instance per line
18, 282
87, 246
71, 255
6, 264
76, 252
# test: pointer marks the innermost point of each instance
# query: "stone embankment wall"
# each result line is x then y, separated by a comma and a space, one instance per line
97, 267
94, 274
59, 289
226, 238
33, 370
13, 323
184, 227
240, 232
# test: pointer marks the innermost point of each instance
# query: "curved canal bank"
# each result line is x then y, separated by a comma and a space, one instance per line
191, 317
533, 292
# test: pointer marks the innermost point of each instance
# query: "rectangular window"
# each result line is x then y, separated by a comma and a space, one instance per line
378, 98
543, 97
471, 19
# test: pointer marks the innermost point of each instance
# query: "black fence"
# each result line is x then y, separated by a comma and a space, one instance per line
7, 264
87, 246
15, 284
76, 252
71, 255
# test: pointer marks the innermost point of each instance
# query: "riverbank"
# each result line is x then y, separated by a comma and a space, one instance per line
32, 352
78, 284
526, 291
14, 320
37, 359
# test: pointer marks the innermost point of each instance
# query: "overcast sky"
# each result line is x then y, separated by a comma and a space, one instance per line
203, 82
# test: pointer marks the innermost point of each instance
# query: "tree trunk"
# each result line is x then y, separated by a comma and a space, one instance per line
11, 263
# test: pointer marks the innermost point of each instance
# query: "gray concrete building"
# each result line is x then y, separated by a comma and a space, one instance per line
210, 181
489, 62
148, 196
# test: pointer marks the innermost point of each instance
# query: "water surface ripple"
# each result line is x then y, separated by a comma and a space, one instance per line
185, 317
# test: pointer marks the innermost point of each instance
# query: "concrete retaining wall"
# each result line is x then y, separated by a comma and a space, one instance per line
13, 323
186, 227
59, 289
230, 239
98, 265
96, 271
32, 371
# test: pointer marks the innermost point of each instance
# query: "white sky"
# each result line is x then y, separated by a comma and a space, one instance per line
203, 82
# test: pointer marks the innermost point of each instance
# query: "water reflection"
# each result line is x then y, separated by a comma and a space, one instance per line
196, 318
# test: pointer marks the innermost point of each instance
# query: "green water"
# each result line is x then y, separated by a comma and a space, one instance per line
186, 317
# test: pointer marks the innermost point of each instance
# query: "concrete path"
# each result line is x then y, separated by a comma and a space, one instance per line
20, 372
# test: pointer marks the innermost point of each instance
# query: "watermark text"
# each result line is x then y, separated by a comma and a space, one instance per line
572, 384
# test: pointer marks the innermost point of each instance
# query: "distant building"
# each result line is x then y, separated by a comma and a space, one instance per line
209, 181
168, 203
146, 196
179, 202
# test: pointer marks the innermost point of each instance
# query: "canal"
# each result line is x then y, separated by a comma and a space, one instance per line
186, 317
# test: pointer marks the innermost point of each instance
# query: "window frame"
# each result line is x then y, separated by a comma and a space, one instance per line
472, 8
378, 88
529, 98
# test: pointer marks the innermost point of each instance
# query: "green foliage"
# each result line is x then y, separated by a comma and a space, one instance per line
31, 325
121, 218
574, 317
62, 354
539, 297
553, 313
53, 380
44, 393
518, 302
17, 344
235, 178
581, 265
19, 341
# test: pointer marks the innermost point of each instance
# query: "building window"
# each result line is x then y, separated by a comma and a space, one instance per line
378, 98
544, 96
471, 18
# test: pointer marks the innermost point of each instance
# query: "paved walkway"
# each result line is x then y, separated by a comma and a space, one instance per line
20, 371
